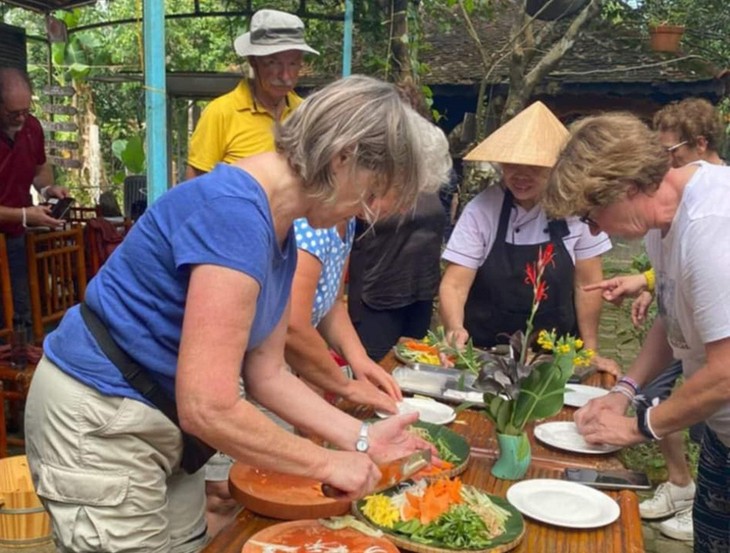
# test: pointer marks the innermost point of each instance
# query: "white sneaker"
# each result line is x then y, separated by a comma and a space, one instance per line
679, 527
668, 499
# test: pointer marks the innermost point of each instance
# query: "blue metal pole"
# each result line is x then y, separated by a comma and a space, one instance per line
347, 39
155, 98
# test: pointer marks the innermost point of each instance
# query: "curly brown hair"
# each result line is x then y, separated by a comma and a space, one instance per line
690, 119
605, 156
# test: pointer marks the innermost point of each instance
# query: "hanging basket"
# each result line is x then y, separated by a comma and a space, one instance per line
666, 38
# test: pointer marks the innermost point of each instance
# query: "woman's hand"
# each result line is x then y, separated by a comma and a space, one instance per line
363, 392
606, 365
354, 474
390, 439
369, 371
457, 337
615, 289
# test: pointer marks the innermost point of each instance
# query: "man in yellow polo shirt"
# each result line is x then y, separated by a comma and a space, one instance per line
240, 124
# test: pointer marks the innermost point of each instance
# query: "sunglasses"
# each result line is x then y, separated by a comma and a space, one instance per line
586, 219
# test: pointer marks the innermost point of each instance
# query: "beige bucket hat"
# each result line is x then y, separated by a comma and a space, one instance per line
272, 32
533, 137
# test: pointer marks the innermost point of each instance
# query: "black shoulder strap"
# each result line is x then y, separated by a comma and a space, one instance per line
133, 373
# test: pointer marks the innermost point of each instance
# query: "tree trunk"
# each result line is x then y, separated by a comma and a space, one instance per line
399, 41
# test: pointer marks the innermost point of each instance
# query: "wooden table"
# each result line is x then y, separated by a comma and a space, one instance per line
623, 536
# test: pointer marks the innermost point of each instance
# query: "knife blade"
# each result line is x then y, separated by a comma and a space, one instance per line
392, 473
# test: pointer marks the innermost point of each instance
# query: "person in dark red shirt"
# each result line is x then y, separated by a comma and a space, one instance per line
22, 165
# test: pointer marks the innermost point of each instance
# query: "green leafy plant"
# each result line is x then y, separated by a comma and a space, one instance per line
527, 386
666, 12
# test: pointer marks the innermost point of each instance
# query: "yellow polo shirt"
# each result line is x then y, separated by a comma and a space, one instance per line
232, 127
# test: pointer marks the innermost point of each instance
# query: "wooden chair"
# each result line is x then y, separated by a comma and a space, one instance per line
6, 333
102, 236
56, 275
79, 215
14, 382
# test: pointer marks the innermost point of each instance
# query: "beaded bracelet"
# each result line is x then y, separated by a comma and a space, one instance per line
643, 419
630, 382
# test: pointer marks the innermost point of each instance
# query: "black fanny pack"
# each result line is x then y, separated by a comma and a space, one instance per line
195, 452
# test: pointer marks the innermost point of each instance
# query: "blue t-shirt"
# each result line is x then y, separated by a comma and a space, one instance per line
221, 218
331, 251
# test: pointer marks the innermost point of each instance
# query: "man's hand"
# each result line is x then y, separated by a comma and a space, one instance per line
615, 289
40, 216
640, 307
54, 191
608, 427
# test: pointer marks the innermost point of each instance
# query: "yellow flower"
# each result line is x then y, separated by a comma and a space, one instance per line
564, 348
578, 343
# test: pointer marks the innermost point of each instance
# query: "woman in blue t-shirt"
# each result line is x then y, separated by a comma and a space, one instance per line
196, 296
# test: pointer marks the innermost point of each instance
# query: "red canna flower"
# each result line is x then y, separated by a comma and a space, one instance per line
533, 276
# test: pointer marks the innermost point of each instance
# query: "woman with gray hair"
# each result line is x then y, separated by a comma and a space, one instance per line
196, 296
615, 173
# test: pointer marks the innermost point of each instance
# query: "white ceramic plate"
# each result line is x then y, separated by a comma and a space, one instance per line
429, 410
564, 435
577, 395
562, 503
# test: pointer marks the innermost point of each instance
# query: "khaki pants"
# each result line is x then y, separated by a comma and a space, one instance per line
108, 470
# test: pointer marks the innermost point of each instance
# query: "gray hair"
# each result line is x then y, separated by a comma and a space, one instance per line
366, 118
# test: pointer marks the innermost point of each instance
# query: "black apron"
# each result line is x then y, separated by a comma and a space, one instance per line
500, 300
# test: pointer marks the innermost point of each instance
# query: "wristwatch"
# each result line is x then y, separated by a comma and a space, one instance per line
362, 444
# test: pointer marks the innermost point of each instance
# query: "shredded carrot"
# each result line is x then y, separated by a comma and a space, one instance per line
433, 470
437, 498
420, 346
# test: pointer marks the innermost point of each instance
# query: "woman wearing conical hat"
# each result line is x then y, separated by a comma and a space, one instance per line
483, 294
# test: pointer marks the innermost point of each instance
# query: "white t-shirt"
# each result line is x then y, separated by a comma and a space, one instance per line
692, 264
473, 237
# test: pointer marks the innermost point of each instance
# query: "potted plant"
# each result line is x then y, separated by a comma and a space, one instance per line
666, 20
527, 386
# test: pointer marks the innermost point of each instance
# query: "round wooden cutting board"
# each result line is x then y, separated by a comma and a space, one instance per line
281, 496
310, 535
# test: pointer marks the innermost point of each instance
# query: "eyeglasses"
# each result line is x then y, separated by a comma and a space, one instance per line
588, 221
672, 149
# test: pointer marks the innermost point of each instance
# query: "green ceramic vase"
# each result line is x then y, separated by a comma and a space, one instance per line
515, 455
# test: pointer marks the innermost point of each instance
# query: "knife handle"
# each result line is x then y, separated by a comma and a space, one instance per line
332, 492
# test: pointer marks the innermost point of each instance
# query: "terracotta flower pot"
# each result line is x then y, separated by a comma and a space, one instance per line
666, 38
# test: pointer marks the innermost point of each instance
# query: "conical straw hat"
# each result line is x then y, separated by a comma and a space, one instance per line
533, 137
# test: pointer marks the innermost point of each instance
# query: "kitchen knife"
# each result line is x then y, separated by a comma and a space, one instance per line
392, 473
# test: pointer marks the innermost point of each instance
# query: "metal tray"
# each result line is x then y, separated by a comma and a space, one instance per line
438, 382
